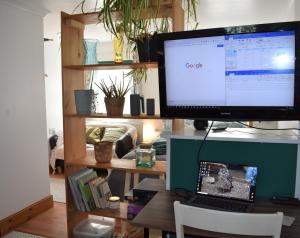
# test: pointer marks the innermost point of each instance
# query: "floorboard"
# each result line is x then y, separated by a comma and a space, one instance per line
52, 223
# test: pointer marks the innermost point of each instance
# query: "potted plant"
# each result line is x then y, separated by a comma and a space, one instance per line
114, 96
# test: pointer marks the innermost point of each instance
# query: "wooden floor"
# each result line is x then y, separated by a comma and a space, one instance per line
52, 223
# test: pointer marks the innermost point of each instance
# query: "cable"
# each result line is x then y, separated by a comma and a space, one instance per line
268, 129
182, 192
202, 142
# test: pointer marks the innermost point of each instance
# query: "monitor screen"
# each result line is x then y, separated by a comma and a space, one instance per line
227, 180
211, 74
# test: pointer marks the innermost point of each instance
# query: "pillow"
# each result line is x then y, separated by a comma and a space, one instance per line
93, 134
112, 134
123, 146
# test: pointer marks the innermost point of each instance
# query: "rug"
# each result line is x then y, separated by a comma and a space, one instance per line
57, 189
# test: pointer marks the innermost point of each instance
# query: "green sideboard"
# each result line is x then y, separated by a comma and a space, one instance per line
275, 157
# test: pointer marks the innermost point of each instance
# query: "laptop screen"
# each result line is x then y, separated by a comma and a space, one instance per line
227, 180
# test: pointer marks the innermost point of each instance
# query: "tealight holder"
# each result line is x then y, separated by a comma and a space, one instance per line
145, 155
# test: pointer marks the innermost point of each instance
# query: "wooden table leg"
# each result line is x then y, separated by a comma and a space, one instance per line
136, 179
127, 182
162, 177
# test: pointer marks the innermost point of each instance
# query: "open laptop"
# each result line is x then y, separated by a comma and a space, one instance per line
227, 187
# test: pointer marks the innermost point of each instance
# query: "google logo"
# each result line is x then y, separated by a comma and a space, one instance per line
193, 66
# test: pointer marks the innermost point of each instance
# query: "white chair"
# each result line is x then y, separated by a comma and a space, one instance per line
227, 222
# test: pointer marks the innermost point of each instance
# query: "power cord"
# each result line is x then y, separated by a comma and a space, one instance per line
202, 142
267, 129
182, 192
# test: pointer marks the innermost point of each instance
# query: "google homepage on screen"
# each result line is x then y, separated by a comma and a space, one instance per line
254, 69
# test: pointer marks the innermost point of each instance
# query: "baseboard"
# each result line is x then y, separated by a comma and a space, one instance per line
11, 222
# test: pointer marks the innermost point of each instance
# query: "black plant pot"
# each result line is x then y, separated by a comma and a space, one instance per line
136, 105
147, 48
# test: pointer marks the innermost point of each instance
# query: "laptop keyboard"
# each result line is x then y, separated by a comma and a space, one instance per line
219, 204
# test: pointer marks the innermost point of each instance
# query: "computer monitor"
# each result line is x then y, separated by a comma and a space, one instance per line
227, 180
246, 72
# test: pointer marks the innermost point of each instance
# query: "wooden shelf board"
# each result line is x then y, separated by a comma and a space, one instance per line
86, 18
120, 213
121, 164
125, 116
147, 65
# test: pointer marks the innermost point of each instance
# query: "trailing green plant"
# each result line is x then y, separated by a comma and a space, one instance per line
115, 89
129, 14
137, 75
126, 16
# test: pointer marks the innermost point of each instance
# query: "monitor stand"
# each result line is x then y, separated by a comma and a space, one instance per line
200, 124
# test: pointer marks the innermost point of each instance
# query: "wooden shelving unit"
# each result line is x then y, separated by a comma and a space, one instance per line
72, 29
116, 164
125, 116
148, 65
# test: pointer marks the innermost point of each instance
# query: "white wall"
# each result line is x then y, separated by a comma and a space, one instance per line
219, 13
23, 141
53, 83
297, 10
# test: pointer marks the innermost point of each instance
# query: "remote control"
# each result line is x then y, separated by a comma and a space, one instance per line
285, 200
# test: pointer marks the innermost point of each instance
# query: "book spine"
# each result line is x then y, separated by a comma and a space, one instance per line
92, 187
75, 198
86, 192
106, 193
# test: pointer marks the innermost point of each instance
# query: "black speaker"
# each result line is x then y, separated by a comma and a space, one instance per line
150, 106
200, 124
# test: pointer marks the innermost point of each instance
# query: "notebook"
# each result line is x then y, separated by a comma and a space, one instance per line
228, 187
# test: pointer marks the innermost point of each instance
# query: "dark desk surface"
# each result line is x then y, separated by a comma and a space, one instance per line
159, 214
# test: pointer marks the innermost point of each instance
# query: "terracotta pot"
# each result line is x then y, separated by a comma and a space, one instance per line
114, 106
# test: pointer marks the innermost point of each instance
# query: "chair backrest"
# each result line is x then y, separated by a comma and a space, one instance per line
227, 222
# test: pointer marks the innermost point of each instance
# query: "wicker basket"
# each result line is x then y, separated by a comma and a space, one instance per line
103, 152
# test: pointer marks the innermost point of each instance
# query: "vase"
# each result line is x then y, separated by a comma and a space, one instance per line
83, 101
114, 106
118, 48
136, 104
90, 51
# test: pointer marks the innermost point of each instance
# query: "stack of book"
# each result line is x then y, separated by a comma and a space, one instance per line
88, 190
